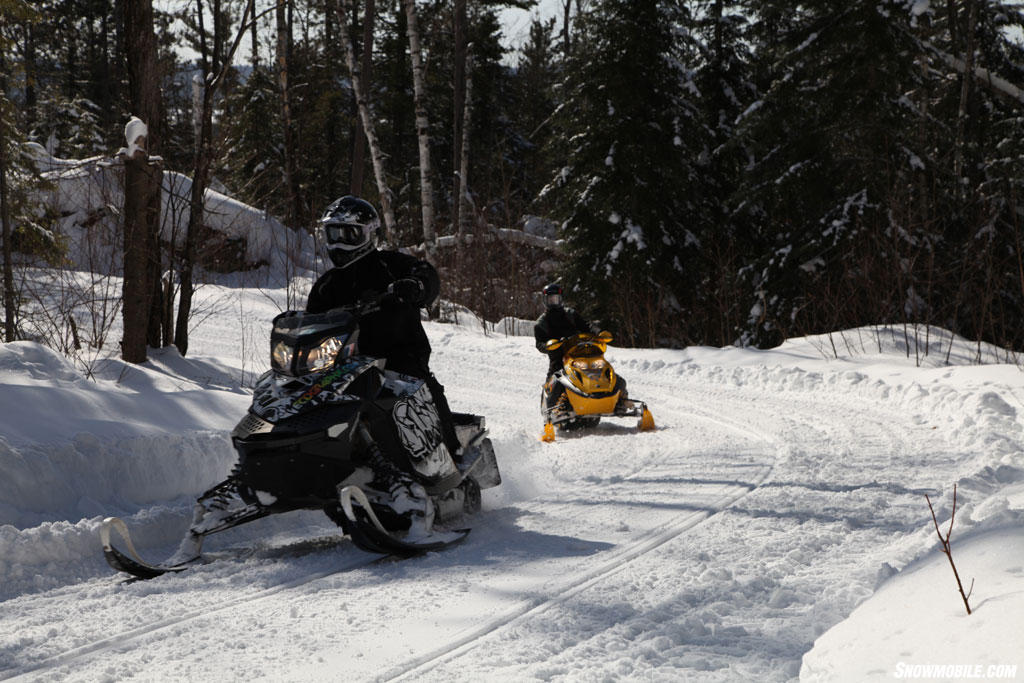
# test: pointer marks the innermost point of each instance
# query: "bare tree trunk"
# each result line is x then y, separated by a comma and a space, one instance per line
143, 180
202, 161
462, 204
422, 130
344, 8
254, 43
566, 6
462, 197
141, 210
366, 71
218, 35
458, 106
284, 48
10, 311
965, 85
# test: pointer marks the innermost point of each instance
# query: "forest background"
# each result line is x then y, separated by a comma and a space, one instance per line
694, 172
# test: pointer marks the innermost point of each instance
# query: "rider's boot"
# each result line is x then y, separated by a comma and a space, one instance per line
410, 500
406, 502
557, 402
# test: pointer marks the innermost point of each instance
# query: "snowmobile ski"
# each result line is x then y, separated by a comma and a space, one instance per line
369, 534
132, 563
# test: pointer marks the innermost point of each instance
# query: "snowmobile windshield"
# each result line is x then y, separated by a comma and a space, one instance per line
587, 350
303, 343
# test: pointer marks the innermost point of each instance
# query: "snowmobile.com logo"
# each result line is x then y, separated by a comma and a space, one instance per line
955, 671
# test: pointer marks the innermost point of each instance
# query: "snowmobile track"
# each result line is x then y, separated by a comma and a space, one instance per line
98, 646
610, 563
692, 407
615, 561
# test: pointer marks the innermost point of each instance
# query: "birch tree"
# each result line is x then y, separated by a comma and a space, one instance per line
422, 130
459, 86
10, 315
344, 9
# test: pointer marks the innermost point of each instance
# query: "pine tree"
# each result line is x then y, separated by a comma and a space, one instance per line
836, 143
725, 80
981, 101
630, 192
881, 188
534, 101
253, 167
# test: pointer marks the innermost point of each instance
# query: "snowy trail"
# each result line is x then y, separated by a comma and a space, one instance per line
116, 641
649, 483
776, 495
798, 427
667, 484
715, 496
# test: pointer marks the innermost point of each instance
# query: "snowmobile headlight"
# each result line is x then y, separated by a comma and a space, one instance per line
588, 364
322, 357
281, 356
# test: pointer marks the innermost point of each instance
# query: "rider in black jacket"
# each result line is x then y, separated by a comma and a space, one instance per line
556, 322
403, 284
395, 332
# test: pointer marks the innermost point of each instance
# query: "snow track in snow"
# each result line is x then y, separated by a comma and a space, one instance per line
117, 641
812, 442
716, 495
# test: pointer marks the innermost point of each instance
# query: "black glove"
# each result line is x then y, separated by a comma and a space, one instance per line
407, 290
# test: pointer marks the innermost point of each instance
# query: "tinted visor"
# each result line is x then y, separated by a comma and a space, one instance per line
345, 234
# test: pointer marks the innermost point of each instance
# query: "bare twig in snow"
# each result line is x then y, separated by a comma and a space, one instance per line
946, 549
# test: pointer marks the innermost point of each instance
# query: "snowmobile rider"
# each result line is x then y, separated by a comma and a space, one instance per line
404, 285
557, 322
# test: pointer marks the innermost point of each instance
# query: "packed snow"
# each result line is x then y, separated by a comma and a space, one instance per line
773, 527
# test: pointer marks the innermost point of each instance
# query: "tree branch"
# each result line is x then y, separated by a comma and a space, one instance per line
946, 548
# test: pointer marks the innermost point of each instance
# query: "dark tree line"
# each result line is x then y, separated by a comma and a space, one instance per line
719, 171
824, 168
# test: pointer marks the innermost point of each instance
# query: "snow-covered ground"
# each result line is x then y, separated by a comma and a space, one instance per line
773, 527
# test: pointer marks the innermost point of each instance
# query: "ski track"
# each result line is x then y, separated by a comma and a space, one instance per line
609, 563
70, 657
806, 429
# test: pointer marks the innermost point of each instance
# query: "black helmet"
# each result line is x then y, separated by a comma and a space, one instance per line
553, 295
349, 228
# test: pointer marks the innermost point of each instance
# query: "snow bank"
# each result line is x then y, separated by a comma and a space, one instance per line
90, 191
74, 447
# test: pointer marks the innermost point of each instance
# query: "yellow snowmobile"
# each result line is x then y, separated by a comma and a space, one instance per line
589, 388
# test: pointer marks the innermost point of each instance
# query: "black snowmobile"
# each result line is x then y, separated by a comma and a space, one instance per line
330, 429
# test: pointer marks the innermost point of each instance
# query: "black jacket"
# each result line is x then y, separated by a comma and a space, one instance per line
557, 322
394, 333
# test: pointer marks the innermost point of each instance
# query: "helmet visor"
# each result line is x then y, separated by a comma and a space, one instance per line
345, 234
